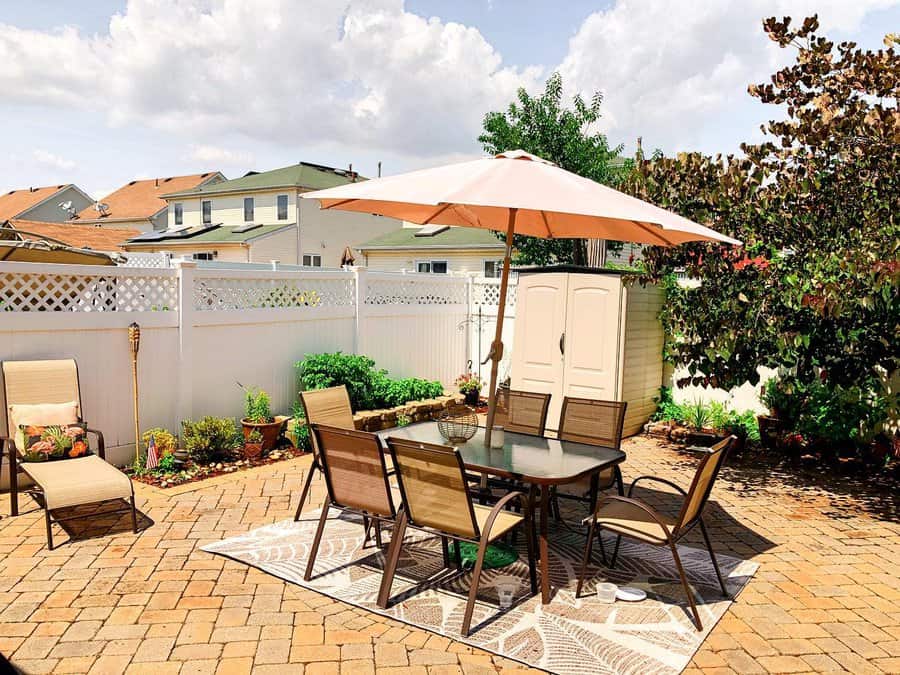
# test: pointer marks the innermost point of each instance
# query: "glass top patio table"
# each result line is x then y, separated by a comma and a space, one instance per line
531, 459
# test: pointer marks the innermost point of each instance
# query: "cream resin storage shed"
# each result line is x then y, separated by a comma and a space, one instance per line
588, 333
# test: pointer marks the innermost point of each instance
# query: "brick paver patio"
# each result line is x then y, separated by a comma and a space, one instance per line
827, 596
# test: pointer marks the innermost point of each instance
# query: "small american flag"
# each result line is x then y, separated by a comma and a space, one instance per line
152, 458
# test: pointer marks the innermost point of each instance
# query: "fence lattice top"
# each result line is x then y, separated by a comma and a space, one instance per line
224, 293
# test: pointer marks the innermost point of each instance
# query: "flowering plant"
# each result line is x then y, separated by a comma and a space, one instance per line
469, 382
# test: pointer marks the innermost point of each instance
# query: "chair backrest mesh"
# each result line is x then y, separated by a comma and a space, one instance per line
329, 406
433, 482
36, 382
522, 412
703, 482
586, 420
354, 468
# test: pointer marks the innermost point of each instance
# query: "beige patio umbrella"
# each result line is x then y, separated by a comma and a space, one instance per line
516, 193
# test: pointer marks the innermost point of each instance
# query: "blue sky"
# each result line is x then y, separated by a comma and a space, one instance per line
181, 86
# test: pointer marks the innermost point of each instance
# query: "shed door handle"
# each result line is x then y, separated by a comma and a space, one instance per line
562, 344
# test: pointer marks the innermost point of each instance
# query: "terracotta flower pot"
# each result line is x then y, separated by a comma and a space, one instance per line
252, 450
270, 431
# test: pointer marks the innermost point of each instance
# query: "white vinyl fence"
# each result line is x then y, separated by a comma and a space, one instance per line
205, 330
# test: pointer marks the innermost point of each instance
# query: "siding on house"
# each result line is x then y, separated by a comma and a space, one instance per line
280, 246
458, 260
641, 372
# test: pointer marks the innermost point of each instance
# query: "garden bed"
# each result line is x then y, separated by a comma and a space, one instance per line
191, 472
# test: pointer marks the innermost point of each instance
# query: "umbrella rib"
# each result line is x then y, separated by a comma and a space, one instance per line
546, 224
437, 212
336, 204
652, 233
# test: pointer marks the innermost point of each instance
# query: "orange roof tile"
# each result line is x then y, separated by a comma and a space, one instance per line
80, 236
141, 198
15, 201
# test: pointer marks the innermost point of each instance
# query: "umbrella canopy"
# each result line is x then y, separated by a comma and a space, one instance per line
551, 202
516, 193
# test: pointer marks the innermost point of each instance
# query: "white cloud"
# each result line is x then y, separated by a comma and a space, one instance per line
673, 72
362, 72
215, 156
53, 161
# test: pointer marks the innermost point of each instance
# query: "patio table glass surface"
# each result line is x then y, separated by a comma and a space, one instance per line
532, 459
536, 460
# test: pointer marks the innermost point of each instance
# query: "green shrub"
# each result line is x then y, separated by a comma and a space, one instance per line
166, 442
257, 406
666, 408
743, 425
166, 464
210, 438
368, 387
698, 416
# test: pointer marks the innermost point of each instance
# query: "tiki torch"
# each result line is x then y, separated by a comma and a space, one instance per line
134, 341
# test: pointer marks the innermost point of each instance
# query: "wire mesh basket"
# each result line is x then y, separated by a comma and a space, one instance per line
458, 423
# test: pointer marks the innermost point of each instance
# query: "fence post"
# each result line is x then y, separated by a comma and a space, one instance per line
470, 299
185, 396
361, 280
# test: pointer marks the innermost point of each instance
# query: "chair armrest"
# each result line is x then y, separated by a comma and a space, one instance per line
639, 504
699, 449
101, 445
656, 479
498, 507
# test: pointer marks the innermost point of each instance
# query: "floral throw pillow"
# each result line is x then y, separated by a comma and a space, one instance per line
42, 444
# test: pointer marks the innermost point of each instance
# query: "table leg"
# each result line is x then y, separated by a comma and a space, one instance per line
545, 562
595, 484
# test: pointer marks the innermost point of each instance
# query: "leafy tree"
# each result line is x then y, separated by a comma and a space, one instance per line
814, 289
542, 126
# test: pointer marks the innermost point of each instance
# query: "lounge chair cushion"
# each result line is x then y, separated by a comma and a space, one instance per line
84, 480
40, 414
57, 442
631, 521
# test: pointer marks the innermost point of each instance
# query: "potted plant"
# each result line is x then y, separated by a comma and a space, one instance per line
470, 387
258, 416
253, 444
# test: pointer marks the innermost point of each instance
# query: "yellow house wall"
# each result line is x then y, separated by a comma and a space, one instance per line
458, 260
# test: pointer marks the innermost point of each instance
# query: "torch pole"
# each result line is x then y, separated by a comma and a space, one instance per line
134, 340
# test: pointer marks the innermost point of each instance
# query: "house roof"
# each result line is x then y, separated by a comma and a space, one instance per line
301, 175
451, 237
15, 202
80, 236
205, 234
142, 199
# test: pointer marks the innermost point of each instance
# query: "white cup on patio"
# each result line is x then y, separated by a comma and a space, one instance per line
507, 586
606, 592
497, 437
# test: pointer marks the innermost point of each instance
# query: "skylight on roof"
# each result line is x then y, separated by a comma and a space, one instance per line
245, 228
431, 230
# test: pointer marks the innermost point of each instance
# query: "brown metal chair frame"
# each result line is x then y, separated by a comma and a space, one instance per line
481, 538
508, 395
35, 491
331, 502
315, 466
677, 532
617, 480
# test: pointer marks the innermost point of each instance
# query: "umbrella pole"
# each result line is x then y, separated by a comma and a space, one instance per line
497, 345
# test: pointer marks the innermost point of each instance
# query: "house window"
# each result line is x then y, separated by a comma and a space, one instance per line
492, 268
206, 255
206, 206
432, 266
282, 207
179, 213
248, 209
312, 260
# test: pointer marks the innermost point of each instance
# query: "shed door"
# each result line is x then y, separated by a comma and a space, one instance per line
593, 314
537, 362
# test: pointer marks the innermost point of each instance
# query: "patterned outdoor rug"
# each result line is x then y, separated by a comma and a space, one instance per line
566, 636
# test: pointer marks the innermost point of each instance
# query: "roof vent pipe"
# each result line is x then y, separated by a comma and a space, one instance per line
379, 169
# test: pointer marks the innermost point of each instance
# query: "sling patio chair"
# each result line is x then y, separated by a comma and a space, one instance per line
521, 412
632, 518
593, 422
331, 407
356, 481
436, 499
47, 394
